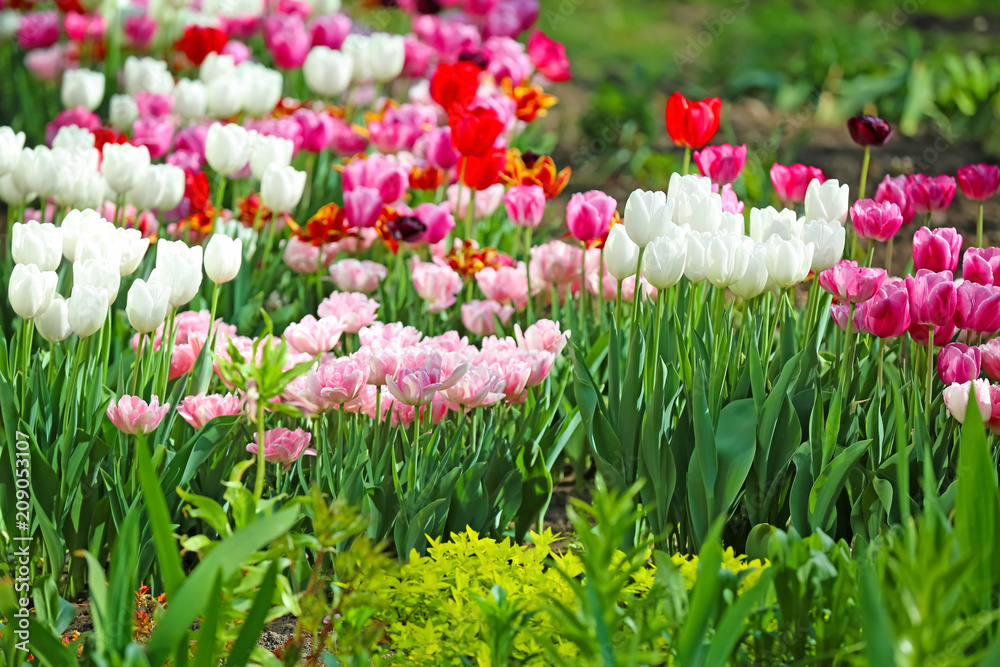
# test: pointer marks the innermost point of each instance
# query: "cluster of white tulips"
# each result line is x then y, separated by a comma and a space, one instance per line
686, 233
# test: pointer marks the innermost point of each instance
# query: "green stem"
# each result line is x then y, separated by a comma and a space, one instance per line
258, 483
864, 172
138, 362
687, 161
527, 269
637, 292
979, 227
871, 253
209, 340
584, 316
930, 376
221, 193
618, 306
600, 289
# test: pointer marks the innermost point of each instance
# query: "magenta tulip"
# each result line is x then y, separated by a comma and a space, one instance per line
990, 353
978, 308
589, 214
841, 311
936, 250
979, 181
920, 333
981, 265
363, 206
872, 220
790, 182
894, 190
887, 314
721, 163
933, 297
525, 205
930, 194
958, 363
849, 282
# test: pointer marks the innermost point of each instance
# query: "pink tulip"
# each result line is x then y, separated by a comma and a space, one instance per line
417, 58
352, 309
893, 190
515, 373
346, 141
790, 182
936, 250
449, 37
352, 275
990, 354
436, 284
379, 172
437, 220
930, 193
317, 129
958, 363
486, 201
981, 265
477, 316
181, 361
312, 336
507, 59
439, 150
383, 363
363, 206
155, 134
301, 256
153, 104
407, 414
872, 220
721, 163
840, 312
887, 313
956, 399
549, 57
478, 388
239, 51
417, 386
525, 205
921, 332
283, 446
84, 27
933, 297
506, 284
589, 214
979, 181
38, 30
330, 30
544, 336
993, 423
79, 116
540, 362
512, 17
730, 202
380, 335
849, 282
288, 43
133, 416
200, 409
978, 308
192, 139
338, 380
139, 30
47, 64
554, 263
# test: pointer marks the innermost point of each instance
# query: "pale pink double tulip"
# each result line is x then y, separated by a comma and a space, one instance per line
956, 399
525, 205
436, 284
352, 309
314, 336
544, 335
506, 284
477, 316
396, 333
417, 386
478, 387
283, 446
352, 275
132, 415
849, 282
339, 380
200, 409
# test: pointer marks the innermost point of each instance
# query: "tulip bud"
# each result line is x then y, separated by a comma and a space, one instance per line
979, 181
173, 181
869, 130
124, 165
223, 256
190, 99
589, 214
722, 163
754, 281
123, 111
281, 188
95, 273
147, 75
692, 123
647, 215
82, 88
828, 238
327, 72
726, 258
956, 399
87, 309
663, 261
621, 255
702, 212
133, 247
695, 268
977, 308
262, 90
766, 222
30, 290
933, 297
958, 363
525, 205
147, 305
82, 225
227, 148
788, 261
936, 250
268, 150
53, 323
178, 267
38, 244
790, 182
358, 48
11, 145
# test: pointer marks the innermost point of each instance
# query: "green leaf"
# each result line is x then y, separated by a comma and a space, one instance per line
730, 629
704, 601
735, 441
156, 505
875, 620
827, 487
254, 623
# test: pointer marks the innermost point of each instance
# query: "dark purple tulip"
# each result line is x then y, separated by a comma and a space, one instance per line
869, 130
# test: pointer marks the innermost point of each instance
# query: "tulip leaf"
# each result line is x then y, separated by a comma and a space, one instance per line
827, 487
735, 440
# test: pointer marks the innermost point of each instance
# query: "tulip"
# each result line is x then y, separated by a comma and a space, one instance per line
99, 274
702, 212
363, 206
765, 222
840, 312
692, 123
148, 193
474, 131
829, 238
38, 244
878, 222
958, 363
695, 268
544, 335
439, 149
979, 182
936, 250
123, 111
267, 150
178, 267
30, 290
283, 446
589, 214
312, 336
80, 226
506, 284
224, 96
337, 381
978, 308
788, 261
894, 190
53, 323
479, 387
663, 262
147, 305
388, 54
933, 297
82, 88
990, 353
417, 386
327, 72
726, 258
87, 309
11, 145
124, 165
956, 399
549, 57
920, 333
262, 88
721, 163
647, 215
755, 279
358, 48
848, 282
477, 316
223, 257
200, 409
132, 415
826, 201
438, 285
227, 148
621, 255
930, 194
981, 265
281, 188
887, 313
352, 275
525, 205
790, 182
133, 248
869, 130
190, 98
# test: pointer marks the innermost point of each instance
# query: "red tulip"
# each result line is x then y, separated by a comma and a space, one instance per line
887, 314
876, 221
930, 194
869, 130
933, 297
982, 266
790, 182
978, 308
722, 163
199, 41
474, 131
958, 363
480, 173
455, 84
936, 250
692, 123
549, 57
979, 181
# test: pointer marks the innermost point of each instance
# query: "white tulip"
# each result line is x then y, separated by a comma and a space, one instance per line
83, 227
358, 47
269, 150
217, 66
38, 244
133, 248
146, 305
82, 88
388, 53
76, 140
96, 273
224, 96
123, 112
147, 75
324, 7
53, 324
726, 258
281, 188
30, 290
680, 187
49, 172
11, 145
788, 260
146, 193
11, 193
10, 21
827, 200
647, 215
732, 223
190, 98
262, 88
124, 165
90, 191
765, 222
701, 212
327, 72
88, 308
695, 266
172, 178
828, 237
664, 261
754, 280
180, 268
621, 255
223, 256
227, 148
